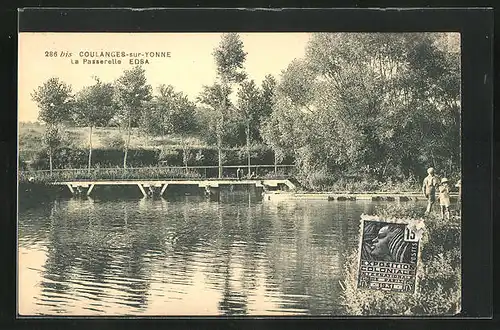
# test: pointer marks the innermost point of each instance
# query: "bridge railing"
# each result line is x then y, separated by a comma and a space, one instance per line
157, 173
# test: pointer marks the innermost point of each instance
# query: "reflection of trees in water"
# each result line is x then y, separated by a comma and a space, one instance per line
305, 254
297, 244
61, 256
32, 226
233, 302
252, 235
85, 246
219, 236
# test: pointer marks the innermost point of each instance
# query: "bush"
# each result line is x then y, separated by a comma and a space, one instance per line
318, 180
150, 173
438, 278
323, 180
68, 157
113, 141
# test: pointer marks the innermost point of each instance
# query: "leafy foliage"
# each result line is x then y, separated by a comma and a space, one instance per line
248, 101
54, 101
113, 141
94, 104
132, 96
94, 107
219, 109
52, 140
52, 137
170, 112
229, 58
378, 106
381, 104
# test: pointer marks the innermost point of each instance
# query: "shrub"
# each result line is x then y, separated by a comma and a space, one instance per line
117, 173
113, 141
318, 180
323, 180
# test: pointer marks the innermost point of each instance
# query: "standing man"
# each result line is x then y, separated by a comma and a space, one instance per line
429, 189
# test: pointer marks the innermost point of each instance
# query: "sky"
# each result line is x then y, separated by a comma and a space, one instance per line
189, 66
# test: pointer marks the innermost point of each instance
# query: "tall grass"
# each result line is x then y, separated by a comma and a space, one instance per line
438, 278
146, 173
322, 181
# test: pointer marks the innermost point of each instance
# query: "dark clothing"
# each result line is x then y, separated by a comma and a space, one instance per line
429, 190
429, 186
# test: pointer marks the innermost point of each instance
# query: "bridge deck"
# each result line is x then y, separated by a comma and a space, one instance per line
210, 182
202, 183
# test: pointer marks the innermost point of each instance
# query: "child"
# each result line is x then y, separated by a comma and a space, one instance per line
444, 198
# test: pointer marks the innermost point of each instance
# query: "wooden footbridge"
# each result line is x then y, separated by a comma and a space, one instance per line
155, 180
153, 187
275, 187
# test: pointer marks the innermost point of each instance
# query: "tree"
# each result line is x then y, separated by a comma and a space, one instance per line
54, 100
216, 97
132, 96
270, 132
249, 106
171, 113
266, 99
52, 140
94, 107
376, 103
229, 58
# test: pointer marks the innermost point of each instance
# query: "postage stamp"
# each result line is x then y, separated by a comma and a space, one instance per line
389, 254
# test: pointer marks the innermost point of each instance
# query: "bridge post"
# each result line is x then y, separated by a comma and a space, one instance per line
163, 189
142, 190
90, 189
71, 189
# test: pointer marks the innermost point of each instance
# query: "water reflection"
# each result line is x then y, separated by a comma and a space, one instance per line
187, 255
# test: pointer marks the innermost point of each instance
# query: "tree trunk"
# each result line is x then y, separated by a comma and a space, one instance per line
433, 159
185, 156
219, 150
50, 161
219, 127
385, 167
248, 147
451, 163
129, 128
185, 159
275, 163
90, 148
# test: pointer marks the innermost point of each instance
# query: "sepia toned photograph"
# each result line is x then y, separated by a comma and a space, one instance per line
239, 174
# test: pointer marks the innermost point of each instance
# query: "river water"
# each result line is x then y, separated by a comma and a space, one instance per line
184, 255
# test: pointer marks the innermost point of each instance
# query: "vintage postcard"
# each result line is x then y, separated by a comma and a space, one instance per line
179, 174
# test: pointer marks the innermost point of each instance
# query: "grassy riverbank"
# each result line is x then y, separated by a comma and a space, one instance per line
149, 173
357, 185
30, 135
148, 154
438, 279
